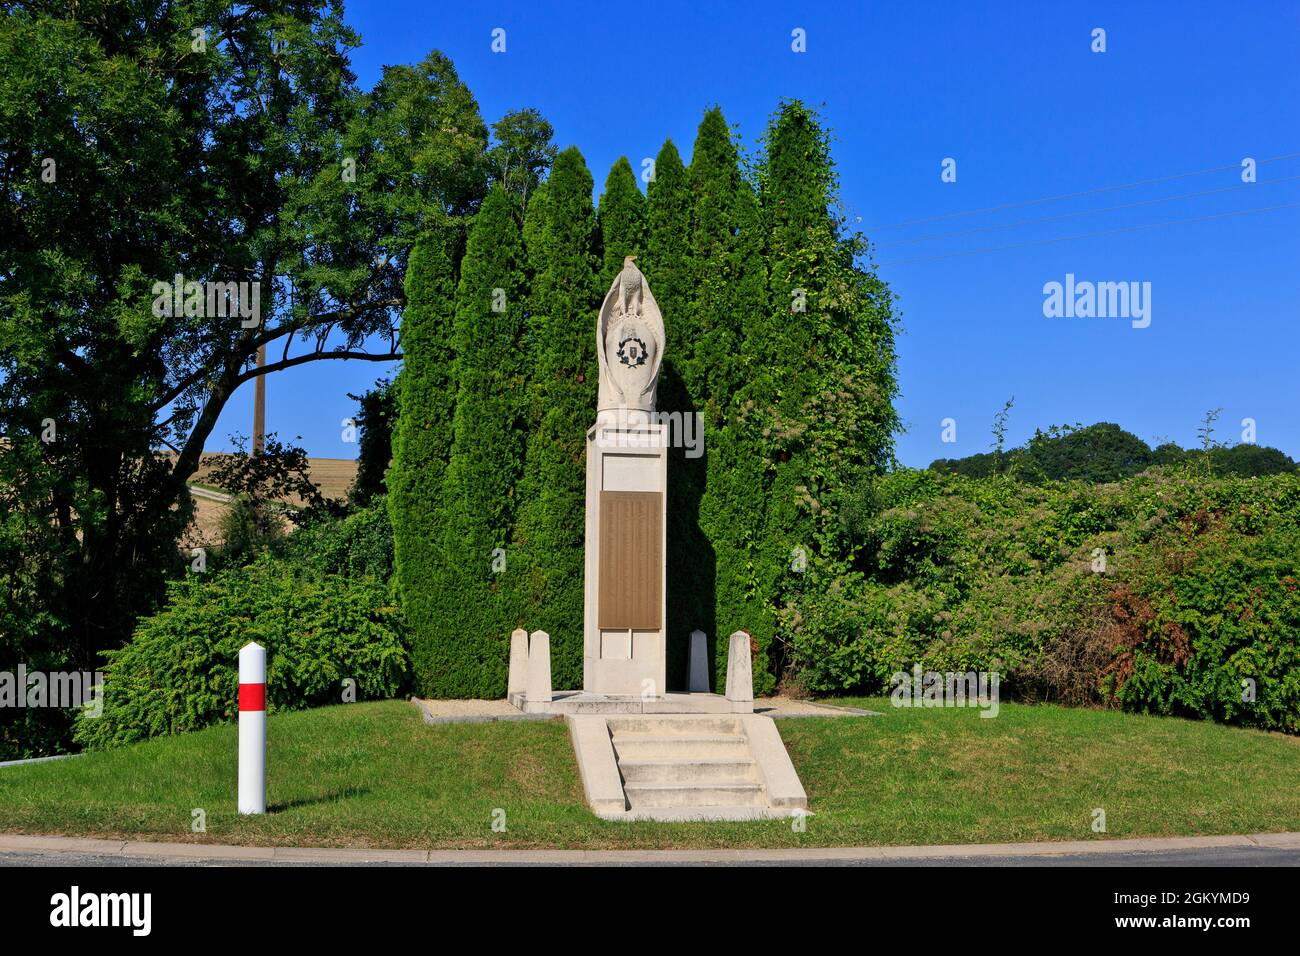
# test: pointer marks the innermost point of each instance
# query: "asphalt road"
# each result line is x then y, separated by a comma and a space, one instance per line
1201, 856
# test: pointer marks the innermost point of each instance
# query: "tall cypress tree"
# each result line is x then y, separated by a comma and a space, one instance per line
463, 651
621, 219
667, 266
423, 437
728, 281
666, 262
546, 566
716, 187
535, 221
824, 361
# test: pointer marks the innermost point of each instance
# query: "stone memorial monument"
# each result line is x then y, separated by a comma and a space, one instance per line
624, 637
644, 753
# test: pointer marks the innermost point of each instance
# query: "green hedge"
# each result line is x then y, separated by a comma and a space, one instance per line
1215, 605
180, 672
357, 545
1201, 591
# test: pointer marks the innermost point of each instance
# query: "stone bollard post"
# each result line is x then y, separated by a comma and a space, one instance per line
740, 674
538, 699
517, 682
698, 671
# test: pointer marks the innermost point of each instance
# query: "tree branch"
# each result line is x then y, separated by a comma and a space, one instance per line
317, 356
270, 335
325, 318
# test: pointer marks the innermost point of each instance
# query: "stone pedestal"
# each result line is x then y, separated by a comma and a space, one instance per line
624, 619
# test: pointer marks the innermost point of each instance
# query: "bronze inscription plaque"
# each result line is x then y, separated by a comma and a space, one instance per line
631, 561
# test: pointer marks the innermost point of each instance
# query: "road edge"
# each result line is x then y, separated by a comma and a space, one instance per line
229, 854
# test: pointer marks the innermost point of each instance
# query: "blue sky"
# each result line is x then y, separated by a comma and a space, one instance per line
1013, 93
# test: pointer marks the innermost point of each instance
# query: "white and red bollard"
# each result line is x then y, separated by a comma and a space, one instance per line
252, 729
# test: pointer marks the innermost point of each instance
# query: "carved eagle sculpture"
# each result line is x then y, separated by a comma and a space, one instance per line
629, 288
629, 342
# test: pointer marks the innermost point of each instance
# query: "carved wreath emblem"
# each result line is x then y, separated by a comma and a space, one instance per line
632, 351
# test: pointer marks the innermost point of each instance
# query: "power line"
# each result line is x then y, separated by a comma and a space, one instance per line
1085, 212
1090, 235
1076, 195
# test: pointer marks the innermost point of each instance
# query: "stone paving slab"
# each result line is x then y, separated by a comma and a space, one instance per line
778, 707
471, 711
481, 711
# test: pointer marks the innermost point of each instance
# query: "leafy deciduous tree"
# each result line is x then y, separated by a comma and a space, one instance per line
224, 144
521, 154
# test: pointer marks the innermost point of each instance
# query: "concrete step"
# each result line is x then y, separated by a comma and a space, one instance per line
738, 793
679, 746
666, 766
696, 814
675, 725
698, 771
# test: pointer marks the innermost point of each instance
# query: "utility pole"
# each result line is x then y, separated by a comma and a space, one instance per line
259, 405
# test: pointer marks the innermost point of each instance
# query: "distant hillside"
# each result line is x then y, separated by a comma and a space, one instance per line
333, 475
1105, 452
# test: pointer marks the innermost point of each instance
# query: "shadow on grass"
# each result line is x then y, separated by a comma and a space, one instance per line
333, 797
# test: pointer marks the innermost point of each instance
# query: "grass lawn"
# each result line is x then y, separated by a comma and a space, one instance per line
374, 774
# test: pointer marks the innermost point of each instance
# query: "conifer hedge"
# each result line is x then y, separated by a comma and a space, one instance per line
546, 561
823, 357
666, 265
778, 336
727, 277
461, 648
621, 221
423, 437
